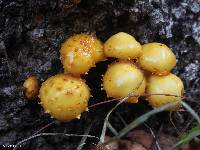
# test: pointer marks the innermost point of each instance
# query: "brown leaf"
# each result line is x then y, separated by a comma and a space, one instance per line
166, 141
129, 145
142, 137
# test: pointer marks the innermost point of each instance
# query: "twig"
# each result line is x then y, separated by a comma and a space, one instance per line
82, 142
145, 95
104, 102
43, 128
172, 122
51, 134
181, 110
107, 117
103, 133
182, 97
112, 129
115, 99
155, 139
122, 120
154, 136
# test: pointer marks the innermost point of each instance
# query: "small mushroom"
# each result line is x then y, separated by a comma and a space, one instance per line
166, 85
157, 58
61, 98
123, 46
123, 78
31, 87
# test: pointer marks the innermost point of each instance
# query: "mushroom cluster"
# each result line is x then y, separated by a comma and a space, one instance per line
139, 69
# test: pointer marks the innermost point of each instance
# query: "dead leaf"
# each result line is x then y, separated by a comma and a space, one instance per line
142, 137
129, 145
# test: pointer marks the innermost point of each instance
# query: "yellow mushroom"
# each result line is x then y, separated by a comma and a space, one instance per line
64, 97
31, 87
80, 52
123, 78
157, 58
169, 84
97, 48
122, 46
